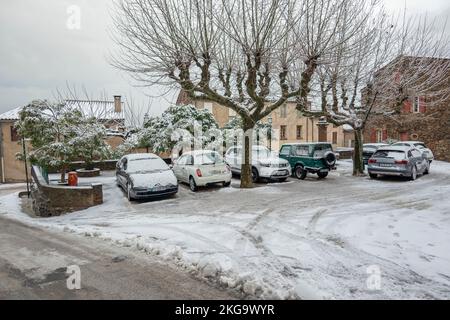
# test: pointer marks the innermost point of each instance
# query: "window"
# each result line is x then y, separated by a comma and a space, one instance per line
283, 111
285, 151
283, 133
190, 161
14, 135
208, 106
299, 132
335, 136
379, 136
302, 151
416, 105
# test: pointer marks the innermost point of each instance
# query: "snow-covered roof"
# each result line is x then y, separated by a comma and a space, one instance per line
101, 110
11, 114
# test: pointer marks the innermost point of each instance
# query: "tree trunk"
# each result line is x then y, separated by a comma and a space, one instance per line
63, 174
358, 163
246, 166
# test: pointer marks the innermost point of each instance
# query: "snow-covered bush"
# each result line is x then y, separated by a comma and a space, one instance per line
185, 124
60, 135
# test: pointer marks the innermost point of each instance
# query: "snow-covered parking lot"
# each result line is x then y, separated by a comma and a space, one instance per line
299, 239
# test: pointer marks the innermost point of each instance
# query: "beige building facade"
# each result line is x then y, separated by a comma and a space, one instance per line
289, 125
110, 113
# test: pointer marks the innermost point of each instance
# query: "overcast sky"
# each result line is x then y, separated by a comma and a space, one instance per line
39, 53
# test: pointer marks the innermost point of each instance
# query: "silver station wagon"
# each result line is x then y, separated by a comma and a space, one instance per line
402, 161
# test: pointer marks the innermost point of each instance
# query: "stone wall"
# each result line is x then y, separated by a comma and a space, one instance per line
53, 200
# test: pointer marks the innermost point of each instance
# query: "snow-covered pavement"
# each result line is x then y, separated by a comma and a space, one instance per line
300, 239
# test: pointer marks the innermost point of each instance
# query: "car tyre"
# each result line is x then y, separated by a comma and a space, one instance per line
192, 185
427, 170
413, 173
255, 175
322, 175
129, 197
373, 176
300, 172
227, 184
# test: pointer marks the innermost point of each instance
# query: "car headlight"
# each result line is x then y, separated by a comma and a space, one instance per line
263, 164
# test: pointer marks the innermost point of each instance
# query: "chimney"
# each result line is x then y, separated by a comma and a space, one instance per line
118, 104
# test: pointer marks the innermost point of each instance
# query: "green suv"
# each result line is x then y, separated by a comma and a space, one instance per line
317, 158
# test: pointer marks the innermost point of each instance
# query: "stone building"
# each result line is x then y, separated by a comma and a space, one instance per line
110, 113
289, 124
419, 118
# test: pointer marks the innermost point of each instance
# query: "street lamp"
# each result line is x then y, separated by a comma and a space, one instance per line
269, 121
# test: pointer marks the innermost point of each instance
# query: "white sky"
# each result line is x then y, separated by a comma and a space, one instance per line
39, 54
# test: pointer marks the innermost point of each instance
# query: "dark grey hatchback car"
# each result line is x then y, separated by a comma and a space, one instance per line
398, 161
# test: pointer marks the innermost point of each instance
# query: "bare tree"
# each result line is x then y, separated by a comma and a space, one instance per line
377, 71
251, 56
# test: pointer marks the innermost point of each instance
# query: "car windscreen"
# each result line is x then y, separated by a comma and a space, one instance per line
261, 153
146, 165
394, 154
208, 158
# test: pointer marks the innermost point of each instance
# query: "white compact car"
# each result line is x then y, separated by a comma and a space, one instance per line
264, 163
202, 168
419, 145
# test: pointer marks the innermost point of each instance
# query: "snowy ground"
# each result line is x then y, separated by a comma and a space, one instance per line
300, 239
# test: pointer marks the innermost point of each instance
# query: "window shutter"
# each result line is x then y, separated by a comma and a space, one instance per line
407, 106
423, 105
373, 135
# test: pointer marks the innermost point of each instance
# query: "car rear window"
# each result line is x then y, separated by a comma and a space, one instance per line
419, 145
208, 158
146, 165
394, 154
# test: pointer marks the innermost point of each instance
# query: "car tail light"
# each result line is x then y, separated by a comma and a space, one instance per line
401, 162
199, 173
372, 161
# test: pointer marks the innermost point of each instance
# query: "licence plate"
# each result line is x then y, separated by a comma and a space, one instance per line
281, 173
385, 165
324, 170
160, 188
216, 172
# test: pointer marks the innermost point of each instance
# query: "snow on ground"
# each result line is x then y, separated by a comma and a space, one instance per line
301, 239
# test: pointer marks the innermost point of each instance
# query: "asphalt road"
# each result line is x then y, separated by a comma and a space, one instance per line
33, 265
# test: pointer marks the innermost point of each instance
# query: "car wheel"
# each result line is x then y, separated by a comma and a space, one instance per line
130, 198
322, 175
373, 176
192, 184
227, 184
255, 175
300, 172
413, 173
427, 170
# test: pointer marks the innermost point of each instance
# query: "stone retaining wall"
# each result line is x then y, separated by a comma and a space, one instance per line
53, 200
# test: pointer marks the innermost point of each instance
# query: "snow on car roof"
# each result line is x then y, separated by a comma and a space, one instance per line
198, 152
140, 156
395, 148
305, 143
410, 142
